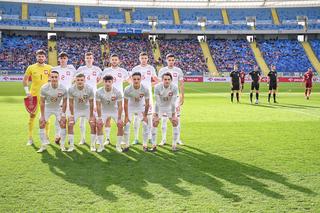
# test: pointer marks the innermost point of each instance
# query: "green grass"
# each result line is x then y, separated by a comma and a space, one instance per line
237, 158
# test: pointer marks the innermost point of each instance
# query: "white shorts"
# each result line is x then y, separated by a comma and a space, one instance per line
112, 115
165, 114
136, 113
81, 114
48, 113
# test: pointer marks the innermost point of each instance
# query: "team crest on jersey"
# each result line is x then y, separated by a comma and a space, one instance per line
141, 95
148, 72
94, 73
170, 93
46, 72
113, 98
119, 75
54, 99
68, 73
175, 74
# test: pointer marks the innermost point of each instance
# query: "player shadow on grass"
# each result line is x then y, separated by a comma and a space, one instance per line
134, 170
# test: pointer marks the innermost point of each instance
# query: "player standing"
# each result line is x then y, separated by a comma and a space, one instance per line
81, 104
242, 79
272, 82
52, 94
177, 79
66, 76
166, 94
148, 78
93, 75
307, 77
39, 73
136, 101
120, 75
255, 84
235, 82
109, 106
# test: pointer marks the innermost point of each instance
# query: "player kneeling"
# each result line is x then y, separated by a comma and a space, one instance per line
165, 95
51, 95
109, 106
136, 101
81, 106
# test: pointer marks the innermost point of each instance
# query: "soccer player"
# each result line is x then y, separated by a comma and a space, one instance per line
52, 94
93, 74
177, 79
136, 101
81, 104
235, 82
166, 94
109, 105
272, 82
242, 79
148, 78
120, 75
66, 76
39, 73
307, 77
255, 84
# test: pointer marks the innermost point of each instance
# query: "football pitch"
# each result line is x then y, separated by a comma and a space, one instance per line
236, 158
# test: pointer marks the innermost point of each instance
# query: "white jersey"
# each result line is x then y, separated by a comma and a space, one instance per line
147, 72
93, 75
177, 74
66, 75
165, 98
81, 97
109, 100
53, 96
136, 97
119, 76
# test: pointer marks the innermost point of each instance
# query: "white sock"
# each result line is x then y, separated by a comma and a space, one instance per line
107, 130
175, 135
63, 136
119, 140
100, 140
71, 139
83, 127
150, 126
164, 128
126, 133
43, 137
154, 131
136, 127
145, 133
179, 129
93, 139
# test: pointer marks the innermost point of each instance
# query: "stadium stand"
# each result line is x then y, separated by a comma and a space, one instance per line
287, 55
10, 10
315, 44
188, 55
290, 14
76, 48
90, 14
140, 15
128, 50
189, 16
226, 52
238, 16
17, 52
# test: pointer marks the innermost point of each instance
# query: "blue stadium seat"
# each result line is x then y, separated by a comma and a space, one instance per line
226, 52
115, 16
287, 55
239, 15
42, 9
164, 15
290, 14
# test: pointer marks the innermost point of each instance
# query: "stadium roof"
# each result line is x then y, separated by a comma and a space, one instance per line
186, 3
